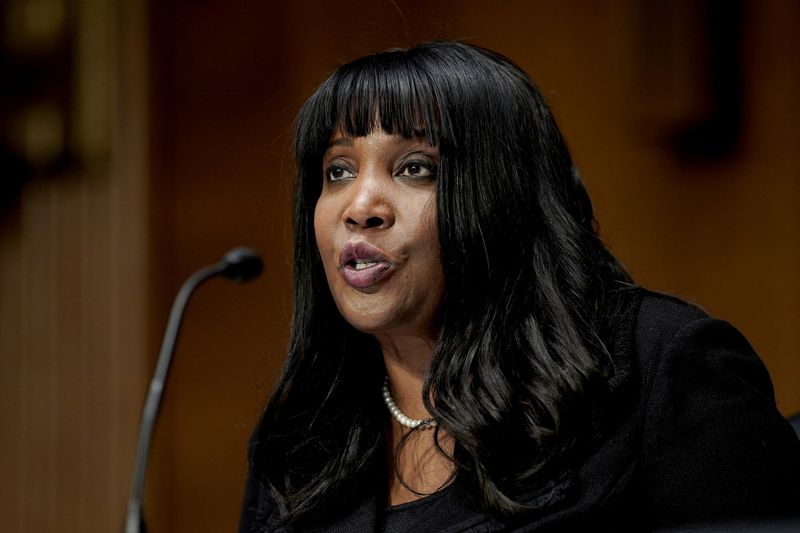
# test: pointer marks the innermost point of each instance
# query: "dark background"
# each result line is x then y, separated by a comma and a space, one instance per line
141, 140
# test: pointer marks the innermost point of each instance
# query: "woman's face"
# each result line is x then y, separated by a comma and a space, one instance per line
375, 225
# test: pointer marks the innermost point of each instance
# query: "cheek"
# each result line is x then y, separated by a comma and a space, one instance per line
317, 226
322, 226
428, 230
324, 233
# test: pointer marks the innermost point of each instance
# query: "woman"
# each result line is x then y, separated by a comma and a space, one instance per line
466, 354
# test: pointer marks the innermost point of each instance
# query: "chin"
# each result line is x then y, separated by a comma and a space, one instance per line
386, 313
371, 323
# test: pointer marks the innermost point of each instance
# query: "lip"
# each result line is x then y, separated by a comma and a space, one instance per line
363, 278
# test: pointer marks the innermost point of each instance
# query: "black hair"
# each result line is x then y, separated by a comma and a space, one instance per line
522, 354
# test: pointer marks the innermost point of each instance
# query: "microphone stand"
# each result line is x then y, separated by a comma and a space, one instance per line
240, 264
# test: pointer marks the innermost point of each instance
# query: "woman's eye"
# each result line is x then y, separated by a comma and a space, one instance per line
417, 169
337, 173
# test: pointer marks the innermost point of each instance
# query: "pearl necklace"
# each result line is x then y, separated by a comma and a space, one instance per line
398, 415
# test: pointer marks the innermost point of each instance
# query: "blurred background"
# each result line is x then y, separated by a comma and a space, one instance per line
141, 139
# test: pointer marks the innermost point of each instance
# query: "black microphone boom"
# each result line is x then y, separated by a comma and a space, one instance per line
240, 264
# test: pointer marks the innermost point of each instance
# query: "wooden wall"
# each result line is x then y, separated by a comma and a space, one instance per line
74, 295
90, 262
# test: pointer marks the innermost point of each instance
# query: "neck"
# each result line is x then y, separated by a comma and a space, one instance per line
416, 461
407, 359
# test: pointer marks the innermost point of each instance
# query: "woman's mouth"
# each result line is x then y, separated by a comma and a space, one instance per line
363, 265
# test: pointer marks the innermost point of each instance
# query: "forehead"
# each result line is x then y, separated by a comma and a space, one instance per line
377, 139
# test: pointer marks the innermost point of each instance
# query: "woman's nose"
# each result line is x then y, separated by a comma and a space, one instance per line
369, 204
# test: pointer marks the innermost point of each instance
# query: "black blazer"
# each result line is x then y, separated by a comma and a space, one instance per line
691, 436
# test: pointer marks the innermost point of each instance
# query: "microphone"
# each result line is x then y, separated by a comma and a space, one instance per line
240, 264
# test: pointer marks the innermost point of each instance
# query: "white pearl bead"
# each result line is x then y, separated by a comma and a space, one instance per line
398, 415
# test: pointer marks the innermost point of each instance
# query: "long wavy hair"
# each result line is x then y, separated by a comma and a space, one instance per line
522, 356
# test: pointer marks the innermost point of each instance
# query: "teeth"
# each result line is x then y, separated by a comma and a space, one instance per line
361, 264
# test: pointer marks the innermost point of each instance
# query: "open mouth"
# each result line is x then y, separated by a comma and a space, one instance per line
360, 255
363, 265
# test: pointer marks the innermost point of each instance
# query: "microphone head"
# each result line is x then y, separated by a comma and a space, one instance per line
241, 264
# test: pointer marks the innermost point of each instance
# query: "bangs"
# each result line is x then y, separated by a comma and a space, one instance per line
387, 91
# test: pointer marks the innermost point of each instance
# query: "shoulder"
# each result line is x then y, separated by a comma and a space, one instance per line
689, 360
645, 324
661, 315
667, 326
679, 343
714, 446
